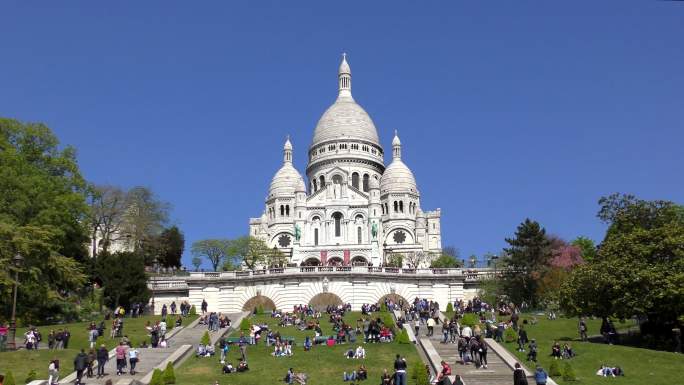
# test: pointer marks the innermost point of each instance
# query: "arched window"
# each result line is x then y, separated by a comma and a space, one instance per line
386, 208
355, 180
282, 210
315, 237
338, 224
396, 206
366, 178
358, 235
322, 179
287, 210
382, 207
401, 206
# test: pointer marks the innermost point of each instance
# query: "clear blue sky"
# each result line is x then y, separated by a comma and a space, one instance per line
506, 109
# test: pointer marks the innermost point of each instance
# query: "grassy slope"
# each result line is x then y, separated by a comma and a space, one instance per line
642, 366
21, 362
323, 364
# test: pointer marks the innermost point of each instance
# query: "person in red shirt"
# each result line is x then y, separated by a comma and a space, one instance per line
444, 374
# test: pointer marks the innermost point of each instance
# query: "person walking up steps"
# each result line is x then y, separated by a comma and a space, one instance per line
102, 358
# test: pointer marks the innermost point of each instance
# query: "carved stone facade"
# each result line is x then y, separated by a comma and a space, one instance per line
353, 210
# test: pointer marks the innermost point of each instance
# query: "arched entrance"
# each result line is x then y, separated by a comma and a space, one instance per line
335, 261
322, 300
395, 298
359, 261
311, 262
259, 301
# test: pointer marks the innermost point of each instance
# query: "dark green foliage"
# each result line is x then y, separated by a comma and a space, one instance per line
9, 378
193, 311
526, 260
510, 335
383, 308
260, 309
214, 250
32, 376
469, 319
171, 246
157, 377
419, 374
205, 339
388, 320
639, 269
169, 375
450, 308
402, 336
568, 372
554, 369
43, 212
245, 324
123, 277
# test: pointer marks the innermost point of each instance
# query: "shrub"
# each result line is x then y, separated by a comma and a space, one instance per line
32, 375
419, 374
193, 311
157, 377
205, 339
450, 308
403, 337
9, 378
554, 369
245, 324
469, 319
383, 308
169, 375
388, 320
510, 335
568, 372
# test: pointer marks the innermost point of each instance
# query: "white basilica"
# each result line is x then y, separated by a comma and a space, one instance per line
355, 210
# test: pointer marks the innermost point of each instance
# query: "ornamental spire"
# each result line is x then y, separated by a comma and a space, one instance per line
344, 77
287, 151
396, 146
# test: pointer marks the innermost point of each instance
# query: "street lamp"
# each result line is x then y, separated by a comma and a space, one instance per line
473, 261
384, 253
18, 261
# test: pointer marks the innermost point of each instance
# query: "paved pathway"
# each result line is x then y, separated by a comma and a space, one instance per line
151, 358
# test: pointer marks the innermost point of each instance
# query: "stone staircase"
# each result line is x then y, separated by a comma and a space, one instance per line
499, 362
181, 345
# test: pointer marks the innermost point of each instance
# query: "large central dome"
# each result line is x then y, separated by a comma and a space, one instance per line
345, 118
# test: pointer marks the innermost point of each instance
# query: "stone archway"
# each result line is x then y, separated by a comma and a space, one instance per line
311, 262
396, 298
322, 300
259, 301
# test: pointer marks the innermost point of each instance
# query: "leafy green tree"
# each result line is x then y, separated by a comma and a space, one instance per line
106, 216
215, 250
43, 216
639, 267
197, 262
394, 260
445, 261
253, 252
490, 290
526, 260
123, 278
205, 339
144, 221
586, 246
171, 246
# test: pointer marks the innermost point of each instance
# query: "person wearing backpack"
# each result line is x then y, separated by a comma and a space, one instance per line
540, 376
519, 377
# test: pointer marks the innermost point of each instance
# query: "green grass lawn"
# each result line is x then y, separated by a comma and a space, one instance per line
641, 366
323, 364
23, 361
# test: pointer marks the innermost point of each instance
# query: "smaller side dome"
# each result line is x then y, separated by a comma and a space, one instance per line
397, 177
287, 180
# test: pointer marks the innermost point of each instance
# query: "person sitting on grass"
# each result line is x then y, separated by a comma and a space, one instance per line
568, 352
242, 366
385, 378
228, 368
351, 376
360, 352
385, 334
289, 376
532, 354
556, 350
277, 350
349, 353
287, 348
307, 344
607, 371
362, 373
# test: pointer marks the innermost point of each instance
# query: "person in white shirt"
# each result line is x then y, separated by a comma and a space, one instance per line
133, 358
360, 352
467, 332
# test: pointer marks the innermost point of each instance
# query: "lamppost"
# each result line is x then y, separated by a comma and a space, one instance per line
18, 262
473, 261
384, 253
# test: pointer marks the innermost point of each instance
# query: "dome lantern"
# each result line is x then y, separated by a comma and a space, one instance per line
344, 78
